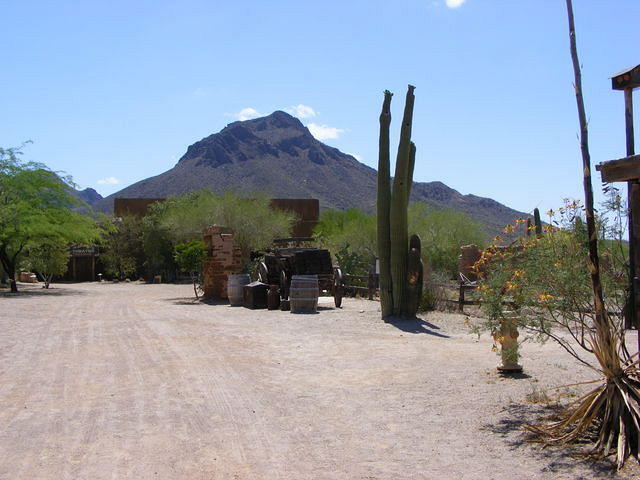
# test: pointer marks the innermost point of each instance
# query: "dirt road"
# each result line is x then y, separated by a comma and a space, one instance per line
133, 381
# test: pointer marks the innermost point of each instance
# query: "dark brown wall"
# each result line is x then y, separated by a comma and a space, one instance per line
138, 207
306, 209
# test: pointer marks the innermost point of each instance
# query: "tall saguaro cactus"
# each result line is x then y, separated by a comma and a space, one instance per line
384, 204
399, 269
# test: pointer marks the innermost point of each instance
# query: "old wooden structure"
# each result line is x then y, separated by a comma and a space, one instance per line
283, 263
82, 263
627, 170
136, 207
306, 211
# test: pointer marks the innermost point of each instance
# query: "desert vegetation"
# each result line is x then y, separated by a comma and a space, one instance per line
37, 213
564, 282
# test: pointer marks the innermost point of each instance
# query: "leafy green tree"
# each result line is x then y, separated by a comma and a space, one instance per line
350, 236
35, 203
189, 256
48, 258
254, 222
123, 253
443, 232
157, 244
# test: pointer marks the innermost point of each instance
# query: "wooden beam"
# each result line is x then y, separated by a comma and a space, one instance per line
626, 79
622, 170
634, 241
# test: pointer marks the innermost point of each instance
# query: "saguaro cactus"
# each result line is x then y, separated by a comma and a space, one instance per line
397, 293
384, 204
537, 222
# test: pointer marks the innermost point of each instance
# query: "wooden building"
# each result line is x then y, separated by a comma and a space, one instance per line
627, 170
82, 264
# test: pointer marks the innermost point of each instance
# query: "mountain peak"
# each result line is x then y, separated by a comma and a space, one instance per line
278, 156
277, 121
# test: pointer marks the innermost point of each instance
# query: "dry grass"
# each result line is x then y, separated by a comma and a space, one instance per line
609, 415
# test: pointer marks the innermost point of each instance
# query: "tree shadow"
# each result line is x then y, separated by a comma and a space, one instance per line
559, 459
196, 301
415, 325
41, 292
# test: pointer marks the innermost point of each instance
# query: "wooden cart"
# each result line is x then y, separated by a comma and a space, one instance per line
278, 268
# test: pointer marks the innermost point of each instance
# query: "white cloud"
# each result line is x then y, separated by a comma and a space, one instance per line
301, 111
201, 92
454, 3
356, 156
108, 181
324, 132
245, 114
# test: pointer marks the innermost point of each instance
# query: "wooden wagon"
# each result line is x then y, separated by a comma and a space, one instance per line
278, 268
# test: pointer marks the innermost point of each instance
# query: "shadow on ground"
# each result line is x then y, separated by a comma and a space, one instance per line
559, 460
30, 292
415, 325
194, 301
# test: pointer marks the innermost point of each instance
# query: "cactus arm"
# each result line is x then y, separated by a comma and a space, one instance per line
383, 209
399, 199
412, 164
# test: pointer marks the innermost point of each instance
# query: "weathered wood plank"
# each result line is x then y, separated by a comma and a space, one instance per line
627, 79
622, 170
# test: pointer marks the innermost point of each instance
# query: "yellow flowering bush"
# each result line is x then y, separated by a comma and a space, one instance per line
544, 280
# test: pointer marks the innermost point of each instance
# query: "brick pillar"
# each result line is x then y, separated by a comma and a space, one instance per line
223, 259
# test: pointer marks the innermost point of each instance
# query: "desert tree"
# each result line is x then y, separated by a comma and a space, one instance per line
36, 203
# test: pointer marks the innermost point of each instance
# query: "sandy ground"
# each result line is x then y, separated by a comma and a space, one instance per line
133, 381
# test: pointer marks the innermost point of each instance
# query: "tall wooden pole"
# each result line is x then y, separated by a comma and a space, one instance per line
633, 205
630, 314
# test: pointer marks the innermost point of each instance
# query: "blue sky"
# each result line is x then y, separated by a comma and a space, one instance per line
116, 91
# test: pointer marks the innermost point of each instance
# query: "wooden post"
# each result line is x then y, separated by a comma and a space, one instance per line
631, 314
461, 298
628, 118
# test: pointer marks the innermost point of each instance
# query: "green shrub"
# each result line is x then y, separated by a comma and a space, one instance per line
254, 222
443, 232
351, 237
547, 280
189, 256
122, 249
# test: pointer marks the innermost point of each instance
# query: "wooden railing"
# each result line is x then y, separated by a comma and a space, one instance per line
356, 284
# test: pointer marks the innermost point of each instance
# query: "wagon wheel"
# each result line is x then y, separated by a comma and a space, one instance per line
263, 273
284, 285
338, 287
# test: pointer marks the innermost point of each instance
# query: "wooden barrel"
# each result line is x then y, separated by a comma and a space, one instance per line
304, 293
235, 284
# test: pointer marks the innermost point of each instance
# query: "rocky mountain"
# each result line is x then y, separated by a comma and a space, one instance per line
88, 196
277, 155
